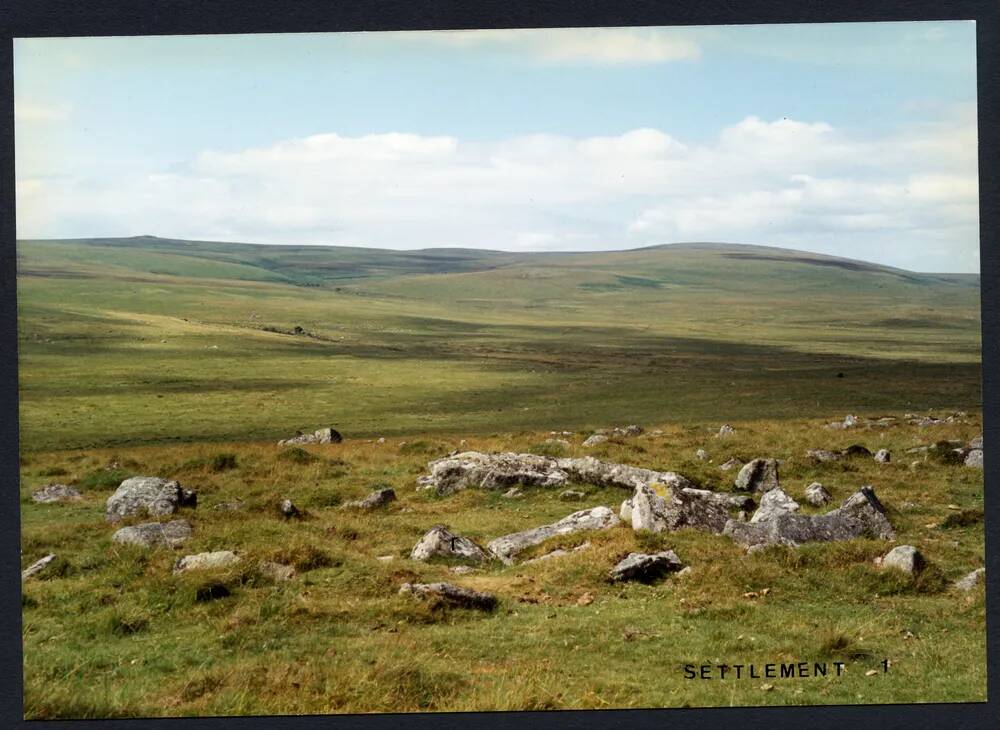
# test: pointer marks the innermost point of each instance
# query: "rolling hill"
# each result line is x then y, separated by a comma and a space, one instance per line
148, 339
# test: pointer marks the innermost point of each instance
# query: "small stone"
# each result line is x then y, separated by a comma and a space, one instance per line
376, 499
571, 495
823, 455
152, 534
772, 504
151, 496
461, 569
278, 572
385, 558
701, 455
513, 493
645, 567
759, 475
816, 495
976, 443
970, 580
904, 557
206, 561
586, 599
597, 438
882, 456
974, 459
856, 450
730, 464
450, 594
725, 430
229, 506
381, 440
37, 567
288, 509
56, 493
440, 542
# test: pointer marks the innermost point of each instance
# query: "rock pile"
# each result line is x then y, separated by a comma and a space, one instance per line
439, 542
861, 515
645, 567
321, 436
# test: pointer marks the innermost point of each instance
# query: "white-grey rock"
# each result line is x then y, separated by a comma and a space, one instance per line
631, 430
816, 495
557, 553
439, 542
850, 421
378, 498
321, 436
677, 508
278, 572
976, 443
571, 495
974, 459
206, 561
774, 502
730, 464
153, 496
589, 470
970, 580
758, 475
37, 567
903, 557
625, 511
701, 455
882, 456
450, 594
725, 430
56, 493
288, 509
594, 440
646, 567
823, 455
861, 515
153, 534
233, 506
461, 569
513, 493
506, 548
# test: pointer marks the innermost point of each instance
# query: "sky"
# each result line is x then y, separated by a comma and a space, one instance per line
851, 139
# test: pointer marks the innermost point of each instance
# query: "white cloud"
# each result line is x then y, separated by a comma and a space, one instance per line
910, 199
577, 45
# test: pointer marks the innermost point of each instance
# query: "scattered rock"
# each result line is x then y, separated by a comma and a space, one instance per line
974, 459
380, 440
148, 496
774, 502
206, 561
56, 493
850, 421
385, 558
631, 430
861, 515
508, 546
440, 542
586, 599
461, 569
976, 443
903, 557
571, 495
759, 475
505, 470
37, 567
970, 580
513, 493
882, 456
816, 495
597, 438
730, 464
288, 509
376, 499
152, 534
725, 430
450, 594
645, 567
322, 436
277, 572
701, 455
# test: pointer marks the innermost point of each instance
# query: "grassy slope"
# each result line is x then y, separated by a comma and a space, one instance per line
151, 340
111, 632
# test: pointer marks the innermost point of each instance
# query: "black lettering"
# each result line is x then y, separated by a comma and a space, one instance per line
819, 670
722, 670
769, 671
787, 670
840, 667
706, 671
753, 674
689, 671
739, 670
803, 669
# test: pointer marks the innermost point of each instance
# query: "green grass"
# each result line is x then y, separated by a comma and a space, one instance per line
113, 351
113, 633
150, 356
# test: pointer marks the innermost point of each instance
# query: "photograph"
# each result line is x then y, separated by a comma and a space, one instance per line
501, 369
